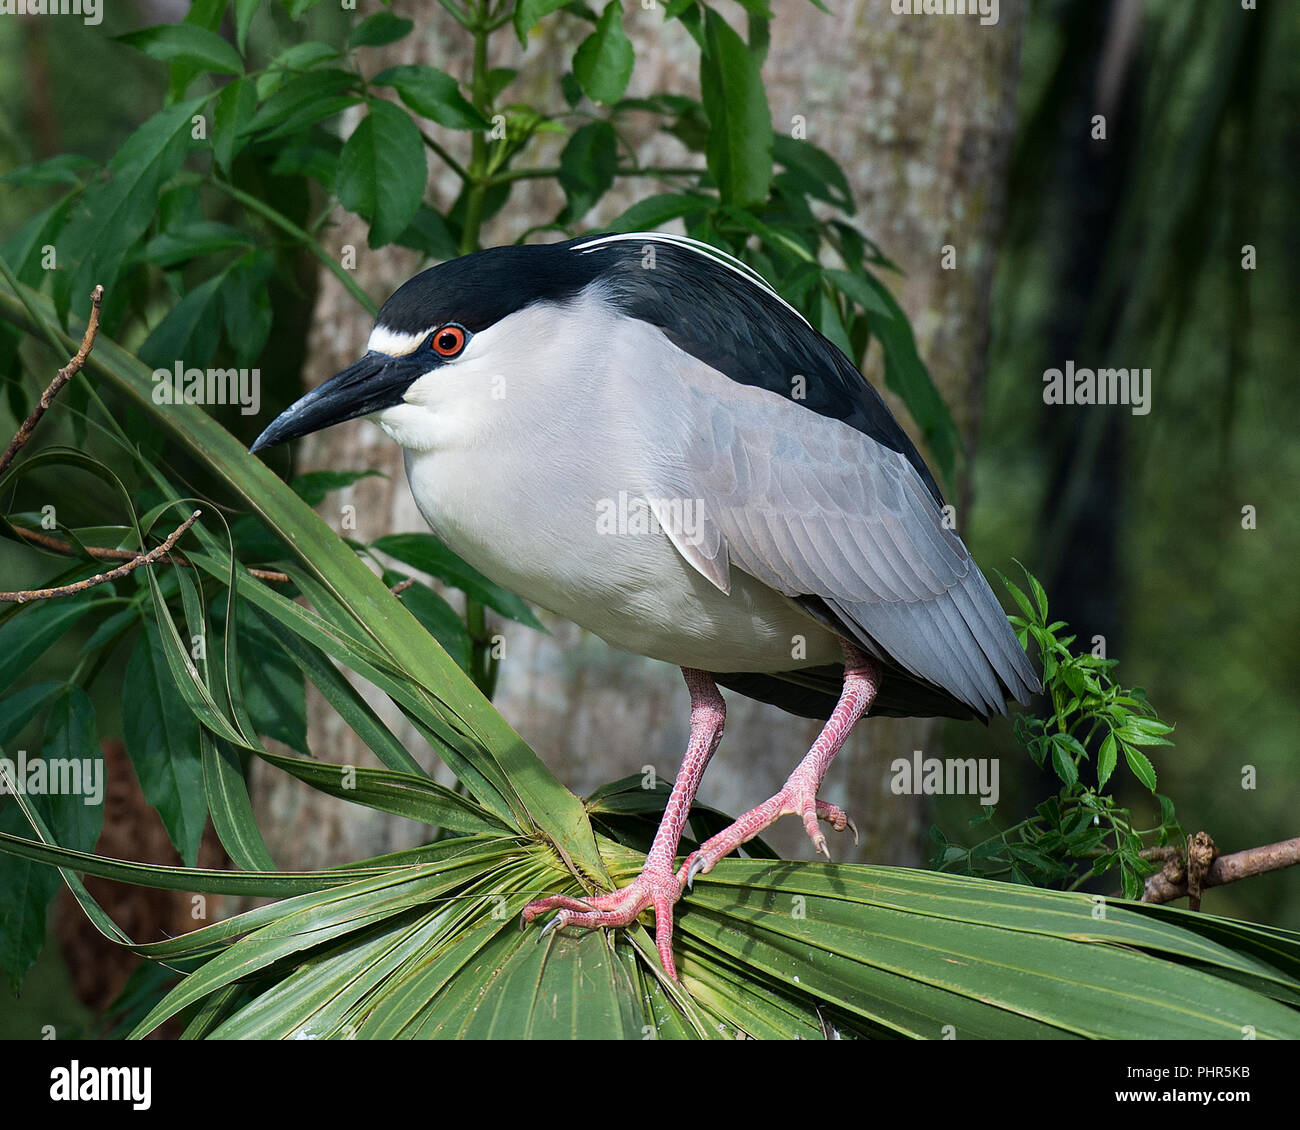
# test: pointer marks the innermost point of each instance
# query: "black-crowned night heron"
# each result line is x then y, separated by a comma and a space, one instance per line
636, 433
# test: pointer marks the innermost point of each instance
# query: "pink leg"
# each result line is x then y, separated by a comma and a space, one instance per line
657, 886
799, 794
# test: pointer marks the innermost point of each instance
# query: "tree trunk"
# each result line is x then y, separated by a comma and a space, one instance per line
920, 113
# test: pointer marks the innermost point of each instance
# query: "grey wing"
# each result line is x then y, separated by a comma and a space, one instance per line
845, 526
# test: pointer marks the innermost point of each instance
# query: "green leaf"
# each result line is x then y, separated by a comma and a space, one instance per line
273, 691
382, 171
190, 331
1106, 760
438, 617
426, 553
655, 211
739, 148
230, 806
25, 249
344, 697
1018, 595
604, 60
162, 740
110, 218
206, 237
234, 110
26, 887
1142, 768
22, 706
188, 879
316, 159
498, 78
244, 10
76, 813
379, 29
774, 950
814, 171
313, 486
428, 233
587, 166
1153, 729
529, 13
206, 15
62, 169
188, 44
858, 289
828, 321
1040, 597
414, 796
246, 306
432, 94
299, 8
570, 89
1063, 764
25, 637
297, 57
304, 100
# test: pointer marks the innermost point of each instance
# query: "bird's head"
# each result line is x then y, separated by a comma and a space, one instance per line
527, 315
445, 331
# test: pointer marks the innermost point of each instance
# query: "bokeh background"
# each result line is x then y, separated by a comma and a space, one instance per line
1171, 244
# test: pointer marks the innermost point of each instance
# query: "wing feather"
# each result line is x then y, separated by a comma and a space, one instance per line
816, 508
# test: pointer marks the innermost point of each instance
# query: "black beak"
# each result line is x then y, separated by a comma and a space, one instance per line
375, 382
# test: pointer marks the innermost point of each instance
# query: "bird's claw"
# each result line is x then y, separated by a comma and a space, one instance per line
792, 800
553, 924
695, 865
655, 889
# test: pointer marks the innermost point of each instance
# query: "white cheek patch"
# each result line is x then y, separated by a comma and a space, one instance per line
422, 389
394, 342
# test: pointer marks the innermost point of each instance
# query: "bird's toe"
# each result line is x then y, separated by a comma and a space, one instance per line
655, 890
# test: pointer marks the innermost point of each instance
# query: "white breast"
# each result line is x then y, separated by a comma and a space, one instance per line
535, 469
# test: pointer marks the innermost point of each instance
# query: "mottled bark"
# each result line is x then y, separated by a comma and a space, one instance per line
919, 111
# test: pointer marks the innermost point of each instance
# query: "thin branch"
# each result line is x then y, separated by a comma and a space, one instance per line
102, 553
447, 159
155, 554
1172, 882
64, 375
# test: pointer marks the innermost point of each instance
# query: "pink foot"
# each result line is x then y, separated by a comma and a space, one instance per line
656, 889
794, 799
799, 794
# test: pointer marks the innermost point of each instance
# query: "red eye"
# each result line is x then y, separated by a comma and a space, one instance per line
449, 341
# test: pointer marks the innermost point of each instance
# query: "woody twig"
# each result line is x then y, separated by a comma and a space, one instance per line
155, 554
1208, 869
64, 375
